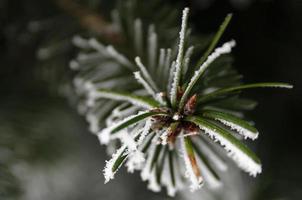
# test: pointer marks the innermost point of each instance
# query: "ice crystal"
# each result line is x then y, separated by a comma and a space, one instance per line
196, 181
108, 173
243, 161
242, 131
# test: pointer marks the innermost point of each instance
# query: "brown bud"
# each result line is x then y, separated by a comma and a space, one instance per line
190, 105
190, 127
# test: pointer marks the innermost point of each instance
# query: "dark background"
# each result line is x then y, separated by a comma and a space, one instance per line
46, 150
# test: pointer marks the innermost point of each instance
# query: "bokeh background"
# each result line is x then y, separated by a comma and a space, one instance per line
46, 151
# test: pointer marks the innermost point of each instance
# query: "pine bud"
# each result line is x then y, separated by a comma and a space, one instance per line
190, 105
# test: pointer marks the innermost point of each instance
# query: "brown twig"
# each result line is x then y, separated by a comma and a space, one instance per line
90, 20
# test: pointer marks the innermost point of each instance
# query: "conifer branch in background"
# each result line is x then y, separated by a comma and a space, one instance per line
89, 19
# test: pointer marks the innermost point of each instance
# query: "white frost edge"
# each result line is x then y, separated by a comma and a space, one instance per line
145, 131
105, 134
107, 171
170, 78
196, 182
135, 161
241, 130
224, 49
178, 63
135, 158
127, 140
243, 161
164, 137
145, 72
145, 84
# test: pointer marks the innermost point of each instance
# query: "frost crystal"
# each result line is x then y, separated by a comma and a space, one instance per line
145, 132
105, 134
145, 72
144, 83
243, 161
108, 172
164, 137
224, 49
241, 130
128, 140
196, 182
179, 58
135, 161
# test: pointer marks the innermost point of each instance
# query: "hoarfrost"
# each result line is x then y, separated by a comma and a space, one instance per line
196, 182
240, 158
241, 130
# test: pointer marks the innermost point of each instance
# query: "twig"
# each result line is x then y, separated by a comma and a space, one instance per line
90, 20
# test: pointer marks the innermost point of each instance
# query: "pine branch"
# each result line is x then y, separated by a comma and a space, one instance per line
170, 116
